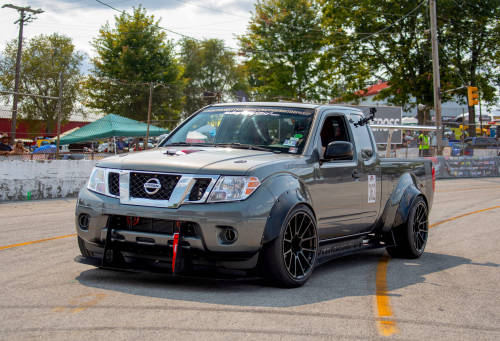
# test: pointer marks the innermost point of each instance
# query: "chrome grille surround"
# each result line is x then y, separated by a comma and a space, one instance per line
179, 195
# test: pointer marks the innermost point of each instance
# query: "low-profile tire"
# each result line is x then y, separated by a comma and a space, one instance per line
411, 237
83, 249
288, 260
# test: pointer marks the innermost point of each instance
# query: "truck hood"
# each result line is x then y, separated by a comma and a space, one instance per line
193, 160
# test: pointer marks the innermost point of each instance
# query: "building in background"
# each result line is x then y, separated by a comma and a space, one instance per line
30, 129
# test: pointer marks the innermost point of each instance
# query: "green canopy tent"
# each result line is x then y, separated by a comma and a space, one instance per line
109, 126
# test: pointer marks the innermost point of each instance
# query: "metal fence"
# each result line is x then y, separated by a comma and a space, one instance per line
412, 152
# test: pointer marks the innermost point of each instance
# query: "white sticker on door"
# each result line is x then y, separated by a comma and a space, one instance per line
372, 189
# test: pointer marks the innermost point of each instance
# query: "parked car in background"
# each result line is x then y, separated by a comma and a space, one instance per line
106, 148
140, 146
461, 149
482, 142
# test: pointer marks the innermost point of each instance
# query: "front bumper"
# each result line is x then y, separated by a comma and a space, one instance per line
203, 247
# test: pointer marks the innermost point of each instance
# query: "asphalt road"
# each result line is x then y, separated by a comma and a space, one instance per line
451, 293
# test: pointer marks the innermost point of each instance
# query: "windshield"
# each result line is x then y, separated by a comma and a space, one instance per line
275, 129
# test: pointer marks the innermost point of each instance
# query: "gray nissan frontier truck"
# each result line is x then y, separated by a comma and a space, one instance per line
261, 189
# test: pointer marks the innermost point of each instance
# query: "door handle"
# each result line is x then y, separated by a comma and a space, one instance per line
355, 174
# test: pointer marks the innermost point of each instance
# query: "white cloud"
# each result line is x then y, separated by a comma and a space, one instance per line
81, 20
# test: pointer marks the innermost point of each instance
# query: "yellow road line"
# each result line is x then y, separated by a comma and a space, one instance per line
81, 303
386, 326
36, 241
466, 189
462, 215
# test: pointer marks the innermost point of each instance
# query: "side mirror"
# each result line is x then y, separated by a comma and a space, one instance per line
366, 153
339, 150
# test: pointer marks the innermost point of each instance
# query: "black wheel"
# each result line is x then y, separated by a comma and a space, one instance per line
411, 237
289, 260
83, 249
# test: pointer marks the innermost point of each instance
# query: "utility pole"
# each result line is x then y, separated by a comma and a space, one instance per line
59, 112
23, 18
436, 77
151, 86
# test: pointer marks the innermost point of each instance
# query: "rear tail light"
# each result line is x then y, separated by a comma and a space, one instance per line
433, 178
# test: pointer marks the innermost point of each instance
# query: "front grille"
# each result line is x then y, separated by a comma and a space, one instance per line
199, 189
167, 183
136, 224
150, 225
114, 183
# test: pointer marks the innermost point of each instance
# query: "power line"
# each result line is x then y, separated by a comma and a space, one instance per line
277, 52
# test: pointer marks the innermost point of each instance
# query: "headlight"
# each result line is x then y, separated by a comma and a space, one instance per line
97, 181
232, 188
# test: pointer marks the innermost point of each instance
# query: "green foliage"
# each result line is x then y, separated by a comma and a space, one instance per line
43, 59
281, 45
400, 53
470, 35
130, 55
209, 67
401, 50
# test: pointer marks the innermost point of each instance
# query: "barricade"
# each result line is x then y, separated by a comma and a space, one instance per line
466, 167
24, 179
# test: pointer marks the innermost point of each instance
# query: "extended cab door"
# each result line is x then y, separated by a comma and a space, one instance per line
336, 190
368, 172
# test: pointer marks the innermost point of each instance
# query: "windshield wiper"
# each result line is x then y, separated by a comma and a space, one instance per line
244, 146
188, 144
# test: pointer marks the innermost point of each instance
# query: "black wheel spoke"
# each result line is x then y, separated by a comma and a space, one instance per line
305, 258
300, 226
309, 238
306, 229
420, 227
300, 264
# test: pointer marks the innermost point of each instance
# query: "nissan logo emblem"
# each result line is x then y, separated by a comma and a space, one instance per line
152, 186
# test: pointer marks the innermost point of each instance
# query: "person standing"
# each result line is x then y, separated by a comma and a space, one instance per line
19, 149
5, 148
423, 144
120, 145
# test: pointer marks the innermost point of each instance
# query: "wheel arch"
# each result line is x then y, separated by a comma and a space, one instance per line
410, 195
397, 208
289, 192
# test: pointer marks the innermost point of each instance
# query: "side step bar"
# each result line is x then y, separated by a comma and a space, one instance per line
345, 247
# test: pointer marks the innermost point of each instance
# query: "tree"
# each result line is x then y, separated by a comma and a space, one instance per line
386, 39
470, 34
389, 39
44, 58
282, 46
209, 67
130, 56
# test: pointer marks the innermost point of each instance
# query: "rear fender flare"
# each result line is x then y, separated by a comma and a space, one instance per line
398, 206
411, 193
295, 193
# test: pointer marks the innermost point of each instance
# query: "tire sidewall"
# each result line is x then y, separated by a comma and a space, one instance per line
278, 247
409, 228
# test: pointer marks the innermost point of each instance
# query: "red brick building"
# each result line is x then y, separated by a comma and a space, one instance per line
29, 129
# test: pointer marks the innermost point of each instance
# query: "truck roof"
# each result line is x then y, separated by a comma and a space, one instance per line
286, 104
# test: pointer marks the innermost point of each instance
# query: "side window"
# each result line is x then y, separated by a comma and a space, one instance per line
363, 138
334, 129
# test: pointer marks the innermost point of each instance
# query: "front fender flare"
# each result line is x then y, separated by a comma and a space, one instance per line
295, 194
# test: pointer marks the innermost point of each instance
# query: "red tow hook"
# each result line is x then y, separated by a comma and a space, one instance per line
177, 232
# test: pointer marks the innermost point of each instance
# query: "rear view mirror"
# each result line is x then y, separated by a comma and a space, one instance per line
339, 150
